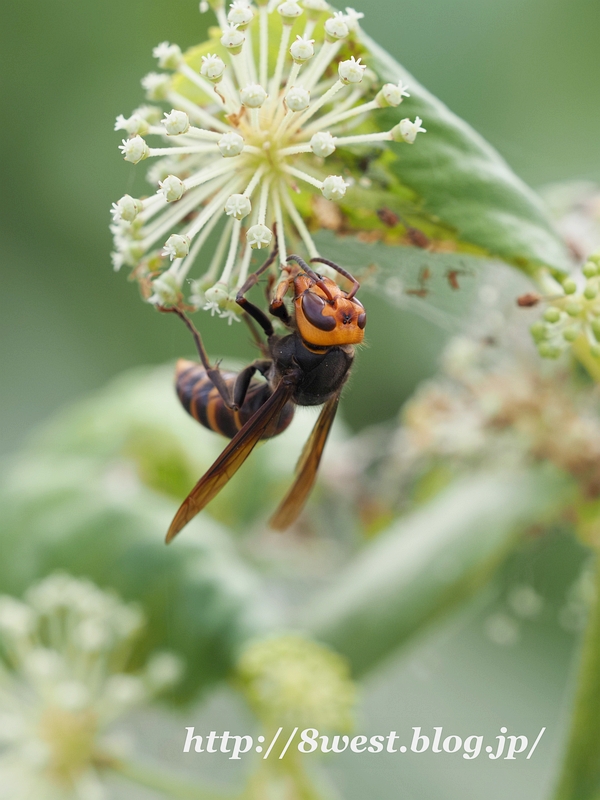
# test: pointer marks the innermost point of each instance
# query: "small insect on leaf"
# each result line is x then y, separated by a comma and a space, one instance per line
387, 216
528, 300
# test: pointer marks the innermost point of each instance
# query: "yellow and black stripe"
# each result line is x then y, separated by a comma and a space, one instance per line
202, 401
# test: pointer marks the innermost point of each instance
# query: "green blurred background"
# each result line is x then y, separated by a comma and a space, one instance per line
522, 72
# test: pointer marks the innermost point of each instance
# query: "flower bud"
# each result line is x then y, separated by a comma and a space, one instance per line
166, 290
336, 28
240, 14
217, 295
172, 188
134, 150
289, 11
129, 252
547, 350
177, 246
538, 331
391, 95
351, 71
127, 208
352, 18
314, 8
169, 55
334, 187
151, 114
322, 144
233, 39
231, 309
552, 314
156, 85
238, 206
134, 125
570, 334
212, 68
302, 49
230, 144
259, 236
176, 122
573, 308
406, 131
253, 95
297, 98
595, 258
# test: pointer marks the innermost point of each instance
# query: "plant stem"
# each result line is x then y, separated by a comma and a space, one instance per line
582, 352
172, 786
398, 583
580, 776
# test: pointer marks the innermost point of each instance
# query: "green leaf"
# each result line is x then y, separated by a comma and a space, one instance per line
94, 495
460, 180
426, 563
198, 596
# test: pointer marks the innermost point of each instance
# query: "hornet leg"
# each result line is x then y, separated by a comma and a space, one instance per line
254, 311
242, 382
214, 373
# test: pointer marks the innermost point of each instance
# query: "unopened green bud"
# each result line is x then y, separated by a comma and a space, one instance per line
570, 334
538, 331
547, 350
569, 286
552, 314
589, 269
590, 291
595, 258
573, 308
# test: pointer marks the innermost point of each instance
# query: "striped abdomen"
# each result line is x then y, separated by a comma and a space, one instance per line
201, 399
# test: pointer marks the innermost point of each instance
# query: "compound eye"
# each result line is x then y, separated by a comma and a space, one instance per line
313, 307
362, 320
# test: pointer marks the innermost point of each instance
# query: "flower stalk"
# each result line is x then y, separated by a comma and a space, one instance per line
171, 786
580, 774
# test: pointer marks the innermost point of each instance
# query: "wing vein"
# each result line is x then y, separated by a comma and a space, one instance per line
306, 469
231, 459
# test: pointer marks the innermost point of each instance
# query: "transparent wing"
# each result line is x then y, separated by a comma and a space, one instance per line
306, 469
230, 460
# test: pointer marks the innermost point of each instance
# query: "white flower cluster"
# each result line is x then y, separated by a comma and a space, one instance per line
247, 130
62, 683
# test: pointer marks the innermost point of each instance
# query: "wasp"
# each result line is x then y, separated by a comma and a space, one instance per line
306, 367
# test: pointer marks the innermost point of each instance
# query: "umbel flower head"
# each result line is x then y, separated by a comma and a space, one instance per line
252, 118
572, 312
62, 683
289, 680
